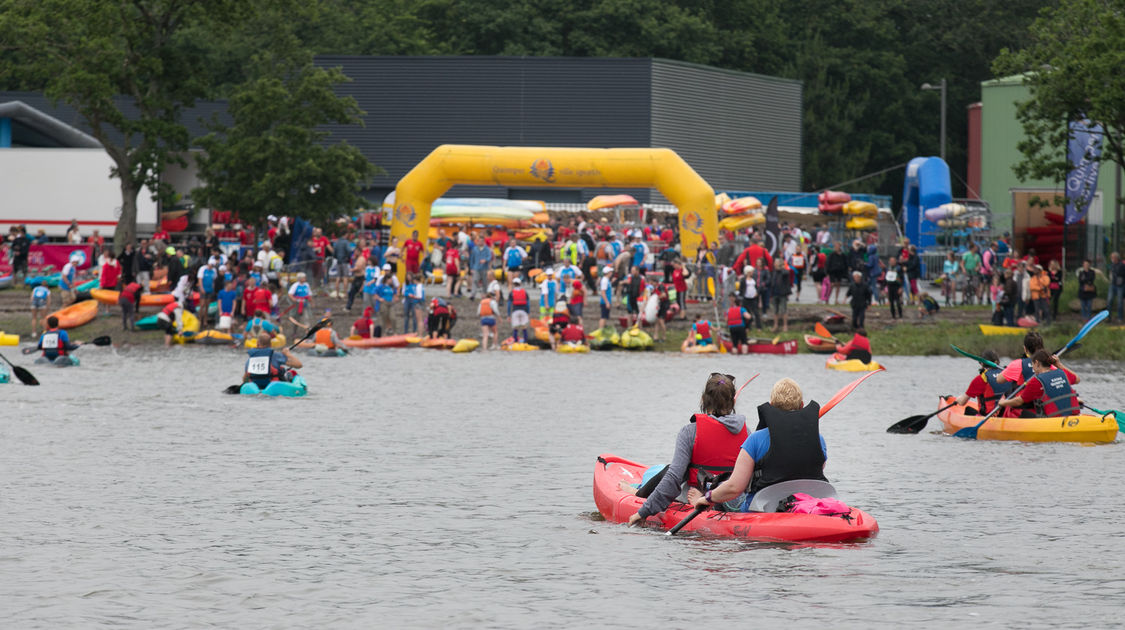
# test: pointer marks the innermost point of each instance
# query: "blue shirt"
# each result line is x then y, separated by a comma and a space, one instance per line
226, 300
265, 325
480, 257
370, 279
758, 444
208, 280
40, 293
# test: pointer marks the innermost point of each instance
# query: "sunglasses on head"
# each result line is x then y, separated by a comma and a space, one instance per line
726, 376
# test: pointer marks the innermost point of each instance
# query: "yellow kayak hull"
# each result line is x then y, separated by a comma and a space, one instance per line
989, 329
852, 365
1088, 429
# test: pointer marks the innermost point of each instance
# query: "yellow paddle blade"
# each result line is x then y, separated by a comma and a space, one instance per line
711, 286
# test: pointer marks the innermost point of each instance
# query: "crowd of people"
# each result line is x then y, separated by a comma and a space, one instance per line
265, 281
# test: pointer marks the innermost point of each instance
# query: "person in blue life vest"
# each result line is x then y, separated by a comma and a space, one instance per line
208, 283
514, 256
1048, 392
706, 446
40, 305
266, 364
985, 388
786, 446
259, 324
605, 294
700, 333
54, 341
548, 294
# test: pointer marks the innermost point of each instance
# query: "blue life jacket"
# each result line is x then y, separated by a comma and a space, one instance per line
515, 258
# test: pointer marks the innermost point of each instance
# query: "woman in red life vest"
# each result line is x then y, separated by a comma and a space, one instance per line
786, 446
858, 348
708, 444
1049, 389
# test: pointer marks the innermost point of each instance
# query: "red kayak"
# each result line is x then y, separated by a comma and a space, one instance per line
617, 505
820, 345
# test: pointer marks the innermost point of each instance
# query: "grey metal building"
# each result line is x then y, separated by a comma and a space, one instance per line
737, 130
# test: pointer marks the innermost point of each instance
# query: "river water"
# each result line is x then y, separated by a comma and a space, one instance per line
426, 489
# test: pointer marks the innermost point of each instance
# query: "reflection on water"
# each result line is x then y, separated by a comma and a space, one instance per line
424, 489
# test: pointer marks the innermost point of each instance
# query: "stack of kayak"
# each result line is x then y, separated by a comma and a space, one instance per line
839, 362
739, 214
1079, 428
862, 215
617, 505
296, 387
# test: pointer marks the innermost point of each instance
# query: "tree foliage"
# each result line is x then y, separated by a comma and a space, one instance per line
274, 158
126, 67
1073, 62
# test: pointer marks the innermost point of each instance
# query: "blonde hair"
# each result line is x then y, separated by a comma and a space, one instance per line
786, 395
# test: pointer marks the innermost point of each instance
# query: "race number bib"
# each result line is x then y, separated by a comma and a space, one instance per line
50, 342
258, 366
892, 276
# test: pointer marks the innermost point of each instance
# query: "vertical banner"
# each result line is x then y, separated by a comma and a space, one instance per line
773, 232
1083, 150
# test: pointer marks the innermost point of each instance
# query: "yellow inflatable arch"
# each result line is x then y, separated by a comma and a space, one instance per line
452, 164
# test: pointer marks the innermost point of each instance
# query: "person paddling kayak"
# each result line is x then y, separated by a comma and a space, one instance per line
1019, 371
787, 446
266, 364
1048, 391
858, 348
985, 388
54, 342
708, 443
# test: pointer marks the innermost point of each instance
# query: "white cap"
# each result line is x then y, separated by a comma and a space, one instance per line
550, 271
607, 269
271, 218
387, 266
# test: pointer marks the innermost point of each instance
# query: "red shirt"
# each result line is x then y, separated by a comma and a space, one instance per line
573, 333
668, 236
412, 250
245, 238
110, 273
579, 295
363, 327
258, 300
160, 235
320, 246
859, 342
452, 257
678, 280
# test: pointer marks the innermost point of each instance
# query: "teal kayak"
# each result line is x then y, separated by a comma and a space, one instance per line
65, 360
297, 387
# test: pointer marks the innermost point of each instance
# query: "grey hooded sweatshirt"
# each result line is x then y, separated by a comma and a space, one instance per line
672, 484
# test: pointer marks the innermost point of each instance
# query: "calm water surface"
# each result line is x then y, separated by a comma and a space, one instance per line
426, 489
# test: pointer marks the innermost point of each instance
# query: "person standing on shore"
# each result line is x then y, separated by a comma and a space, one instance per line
40, 305
781, 284
860, 294
893, 277
1116, 286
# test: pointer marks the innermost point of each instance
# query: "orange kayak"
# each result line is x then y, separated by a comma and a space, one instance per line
106, 296
438, 344
77, 314
392, 341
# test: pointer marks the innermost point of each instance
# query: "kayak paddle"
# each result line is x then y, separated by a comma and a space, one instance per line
832, 402
970, 433
1117, 415
823, 331
915, 424
22, 374
104, 340
739, 392
234, 389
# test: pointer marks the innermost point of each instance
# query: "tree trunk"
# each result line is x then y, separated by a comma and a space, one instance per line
126, 231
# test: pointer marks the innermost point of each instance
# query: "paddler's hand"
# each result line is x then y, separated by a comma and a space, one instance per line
634, 519
701, 502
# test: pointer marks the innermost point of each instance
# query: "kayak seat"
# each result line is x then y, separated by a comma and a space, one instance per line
767, 499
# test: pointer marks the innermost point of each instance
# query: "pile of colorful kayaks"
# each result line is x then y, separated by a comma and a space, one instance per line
617, 505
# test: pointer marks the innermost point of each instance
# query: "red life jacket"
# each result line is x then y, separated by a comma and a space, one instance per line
734, 316
519, 297
560, 318
169, 309
130, 291
715, 449
362, 327
703, 329
573, 333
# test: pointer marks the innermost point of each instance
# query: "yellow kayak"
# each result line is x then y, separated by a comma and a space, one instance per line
1081, 428
572, 348
635, 339
9, 340
466, 345
520, 347
989, 329
276, 342
707, 349
851, 365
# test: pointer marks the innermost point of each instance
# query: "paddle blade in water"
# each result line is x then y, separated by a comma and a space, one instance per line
913, 424
104, 340
24, 376
233, 389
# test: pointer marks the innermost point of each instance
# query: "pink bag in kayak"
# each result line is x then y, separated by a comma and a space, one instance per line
801, 503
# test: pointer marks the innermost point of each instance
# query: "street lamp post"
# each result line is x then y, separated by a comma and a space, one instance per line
941, 87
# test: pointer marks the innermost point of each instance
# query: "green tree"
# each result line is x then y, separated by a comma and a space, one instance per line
1072, 61
126, 67
274, 158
